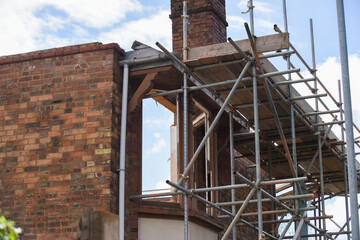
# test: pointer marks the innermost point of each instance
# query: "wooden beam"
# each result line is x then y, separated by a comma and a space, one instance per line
263, 44
150, 70
163, 101
145, 86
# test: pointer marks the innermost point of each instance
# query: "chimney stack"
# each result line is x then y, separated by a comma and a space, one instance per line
207, 23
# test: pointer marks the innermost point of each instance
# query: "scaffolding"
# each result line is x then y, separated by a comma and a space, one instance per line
285, 119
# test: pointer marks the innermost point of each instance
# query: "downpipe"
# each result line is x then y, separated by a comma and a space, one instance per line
126, 64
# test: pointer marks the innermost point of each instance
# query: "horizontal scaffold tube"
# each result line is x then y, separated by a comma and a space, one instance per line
274, 199
278, 54
317, 235
211, 204
213, 124
264, 183
307, 97
216, 84
293, 81
320, 113
197, 81
328, 123
239, 61
287, 220
290, 197
250, 214
152, 195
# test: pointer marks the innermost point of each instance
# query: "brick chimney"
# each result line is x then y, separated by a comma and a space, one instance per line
207, 23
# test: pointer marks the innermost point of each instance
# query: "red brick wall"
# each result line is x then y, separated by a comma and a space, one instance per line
207, 23
133, 175
241, 164
58, 146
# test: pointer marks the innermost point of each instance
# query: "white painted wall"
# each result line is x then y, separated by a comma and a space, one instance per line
165, 229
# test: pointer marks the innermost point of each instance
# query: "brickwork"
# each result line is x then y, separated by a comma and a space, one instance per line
58, 146
244, 232
60, 115
133, 176
207, 23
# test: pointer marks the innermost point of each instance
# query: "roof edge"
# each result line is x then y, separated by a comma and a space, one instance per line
61, 51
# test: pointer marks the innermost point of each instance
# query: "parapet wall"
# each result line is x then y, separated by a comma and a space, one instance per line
57, 144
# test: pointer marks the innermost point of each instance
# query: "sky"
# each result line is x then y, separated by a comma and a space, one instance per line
41, 24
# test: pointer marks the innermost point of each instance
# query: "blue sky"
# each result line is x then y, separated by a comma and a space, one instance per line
323, 13
40, 24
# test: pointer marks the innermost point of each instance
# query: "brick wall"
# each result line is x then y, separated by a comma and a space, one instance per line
207, 23
241, 166
244, 232
59, 112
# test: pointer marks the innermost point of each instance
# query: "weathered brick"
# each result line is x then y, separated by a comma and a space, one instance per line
208, 24
33, 135
90, 163
32, 125
31, 146
103, 151
44, 156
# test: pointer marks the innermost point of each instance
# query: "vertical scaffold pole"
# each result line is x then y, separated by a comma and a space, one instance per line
315, 222
186, 140
352, 176
272, 191
318, 129
292, 120
257, 136
232, 166
346, 192
292, 114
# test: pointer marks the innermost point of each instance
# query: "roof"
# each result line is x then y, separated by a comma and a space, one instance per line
222, 62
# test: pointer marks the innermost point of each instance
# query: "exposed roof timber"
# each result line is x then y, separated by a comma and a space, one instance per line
198, 82
143, 52
165, 102
263, 44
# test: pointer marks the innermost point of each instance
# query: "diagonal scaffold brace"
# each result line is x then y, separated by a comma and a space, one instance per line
211, 204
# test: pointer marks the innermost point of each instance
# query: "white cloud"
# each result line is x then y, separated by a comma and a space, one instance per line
159, 122
354, 65
49, 40
80, 31
158, 187
261, 7
236, 22
329, 72
21, 28
96, 14
149, 30
54, 23
162, 184
336, 207
264, 25
158, 145
32, 25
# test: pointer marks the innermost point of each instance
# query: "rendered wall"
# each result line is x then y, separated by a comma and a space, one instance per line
99, 225
162, 229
